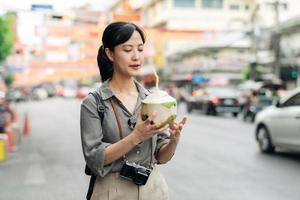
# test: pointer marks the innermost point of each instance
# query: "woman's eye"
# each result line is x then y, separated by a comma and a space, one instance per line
127, 50
141, 50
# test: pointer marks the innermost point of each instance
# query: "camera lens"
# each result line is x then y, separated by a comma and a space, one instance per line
132, 122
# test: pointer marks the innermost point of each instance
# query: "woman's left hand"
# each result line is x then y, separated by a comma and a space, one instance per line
175, 130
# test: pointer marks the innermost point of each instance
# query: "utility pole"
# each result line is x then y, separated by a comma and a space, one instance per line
276, 42
254, 60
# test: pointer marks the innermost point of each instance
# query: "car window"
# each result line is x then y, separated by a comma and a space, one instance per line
294, 101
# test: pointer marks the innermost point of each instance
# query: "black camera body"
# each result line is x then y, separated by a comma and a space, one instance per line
136, 173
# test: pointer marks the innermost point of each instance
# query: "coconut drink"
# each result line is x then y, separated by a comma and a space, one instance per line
160, 103
163, 105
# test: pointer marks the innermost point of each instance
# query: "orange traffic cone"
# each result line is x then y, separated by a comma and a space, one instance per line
15, 115
10, 138
26, 128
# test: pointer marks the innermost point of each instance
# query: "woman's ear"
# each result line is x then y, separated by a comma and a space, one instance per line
109, 54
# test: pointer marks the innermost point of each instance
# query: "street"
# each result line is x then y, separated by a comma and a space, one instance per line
217, 159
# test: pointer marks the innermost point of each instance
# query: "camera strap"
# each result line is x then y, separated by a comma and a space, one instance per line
121, 132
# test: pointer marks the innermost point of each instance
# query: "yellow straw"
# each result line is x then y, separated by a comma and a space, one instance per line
156, 77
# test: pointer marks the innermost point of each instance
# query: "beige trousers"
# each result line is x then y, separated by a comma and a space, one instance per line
114, 187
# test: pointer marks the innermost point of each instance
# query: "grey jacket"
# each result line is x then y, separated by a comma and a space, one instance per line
96, 137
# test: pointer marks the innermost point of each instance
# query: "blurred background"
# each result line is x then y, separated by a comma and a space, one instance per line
225, 61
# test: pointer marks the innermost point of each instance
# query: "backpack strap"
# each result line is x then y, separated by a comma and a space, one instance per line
91, 187
101, 110
100, 104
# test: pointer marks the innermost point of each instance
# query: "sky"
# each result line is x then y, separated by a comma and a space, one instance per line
57, 4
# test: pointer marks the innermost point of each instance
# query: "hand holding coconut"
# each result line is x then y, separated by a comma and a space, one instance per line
146, 129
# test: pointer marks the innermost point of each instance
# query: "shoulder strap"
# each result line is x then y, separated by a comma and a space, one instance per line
91, 187
100, 109
100, 104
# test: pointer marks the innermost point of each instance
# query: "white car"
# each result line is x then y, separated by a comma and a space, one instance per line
279, 125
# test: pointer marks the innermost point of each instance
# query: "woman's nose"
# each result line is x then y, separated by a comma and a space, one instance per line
135, 55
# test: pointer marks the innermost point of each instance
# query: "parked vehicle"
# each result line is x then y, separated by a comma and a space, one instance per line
69, 87
279, 125
39, 93
215, 100
50, 89
16, 95
82, 92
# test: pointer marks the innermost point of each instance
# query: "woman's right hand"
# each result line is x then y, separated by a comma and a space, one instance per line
146, 129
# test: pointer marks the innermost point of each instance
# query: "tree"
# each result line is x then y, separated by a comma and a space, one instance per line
6, 43
6, 36
9, 79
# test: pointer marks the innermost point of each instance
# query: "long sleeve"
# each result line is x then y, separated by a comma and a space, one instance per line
92, 138
162, 139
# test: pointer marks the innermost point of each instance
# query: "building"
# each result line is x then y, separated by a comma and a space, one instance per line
126, 10
197, 14
222, 25
235, 34
57, 45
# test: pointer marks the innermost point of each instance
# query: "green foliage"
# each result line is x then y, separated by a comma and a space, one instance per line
246, 73
9, 79
6, 36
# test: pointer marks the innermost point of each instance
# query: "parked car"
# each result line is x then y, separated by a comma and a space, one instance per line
279, 125
82, 92
69, 88
39, 93
50, 89
215, 100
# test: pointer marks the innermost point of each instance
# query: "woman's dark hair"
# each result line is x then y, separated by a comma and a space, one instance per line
114, 34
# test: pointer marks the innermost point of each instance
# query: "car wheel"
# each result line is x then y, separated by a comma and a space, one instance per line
209, 109
206, 109
264, 140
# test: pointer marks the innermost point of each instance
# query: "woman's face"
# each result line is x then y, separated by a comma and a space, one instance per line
128, 57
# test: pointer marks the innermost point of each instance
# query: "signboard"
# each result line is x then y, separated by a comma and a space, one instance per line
35, 7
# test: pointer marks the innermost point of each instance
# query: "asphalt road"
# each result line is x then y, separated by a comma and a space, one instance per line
217, 159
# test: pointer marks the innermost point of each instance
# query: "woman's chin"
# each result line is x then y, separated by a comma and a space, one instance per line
135, 72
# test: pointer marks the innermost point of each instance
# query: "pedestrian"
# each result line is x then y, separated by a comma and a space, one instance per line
123, 151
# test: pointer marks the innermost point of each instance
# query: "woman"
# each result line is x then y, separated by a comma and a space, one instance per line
108, 146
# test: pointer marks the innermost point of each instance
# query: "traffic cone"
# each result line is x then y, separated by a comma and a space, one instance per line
15, 115
8, 132
26, 129
15, 127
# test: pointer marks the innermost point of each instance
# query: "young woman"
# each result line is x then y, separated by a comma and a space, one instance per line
115, 146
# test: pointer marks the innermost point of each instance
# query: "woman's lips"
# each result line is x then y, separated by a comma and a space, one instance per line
135, 66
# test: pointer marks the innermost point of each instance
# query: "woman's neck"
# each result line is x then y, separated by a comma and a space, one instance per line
123, 85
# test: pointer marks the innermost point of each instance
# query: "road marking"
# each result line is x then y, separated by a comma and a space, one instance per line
35, 174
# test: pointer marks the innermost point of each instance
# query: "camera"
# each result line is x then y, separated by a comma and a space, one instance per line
131, 122
136, 173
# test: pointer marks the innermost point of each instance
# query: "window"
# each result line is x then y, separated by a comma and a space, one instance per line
184, 3
234, 7
218, 4
294, 101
